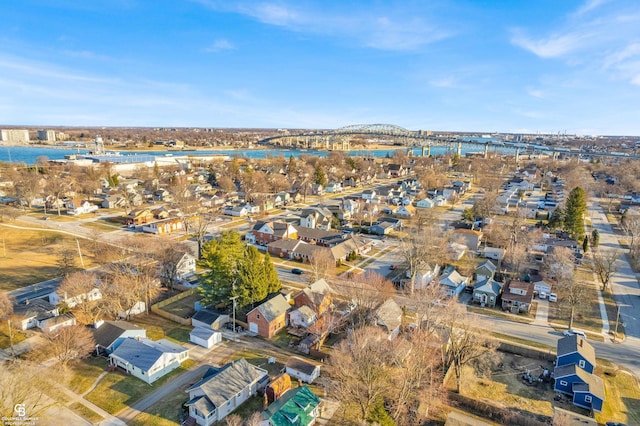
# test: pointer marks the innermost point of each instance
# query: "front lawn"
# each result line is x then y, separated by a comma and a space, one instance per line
117, 391
622, 392
162, 328
5, 342
82, 375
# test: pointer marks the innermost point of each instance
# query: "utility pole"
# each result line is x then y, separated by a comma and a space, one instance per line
233, 299
615, 333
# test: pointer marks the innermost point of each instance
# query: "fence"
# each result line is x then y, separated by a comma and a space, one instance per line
527, 351
157, 308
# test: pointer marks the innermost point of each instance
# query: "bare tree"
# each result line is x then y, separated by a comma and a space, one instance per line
604, 266
359, 369
572, 295
321, 263
253, 419
69, 343
77, 288
6, 307
467, 340
233, 420
22, 383
169, 255
367, 291
66, 261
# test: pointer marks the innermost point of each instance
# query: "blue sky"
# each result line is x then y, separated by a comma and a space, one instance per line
468, 65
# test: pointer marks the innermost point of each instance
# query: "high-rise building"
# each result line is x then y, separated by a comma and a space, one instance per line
47, 135
14, 135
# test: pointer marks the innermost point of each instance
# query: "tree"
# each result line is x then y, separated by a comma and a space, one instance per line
604, 266
575, 209
556, 221
66, 261
595, 238
321, 263
76, 287
572, 295
585, 244
234, 269
378, 415
24, 383
467, 340
169, 255
320, 178
69, 343
359, 369
27, 185
468, 215
6, 307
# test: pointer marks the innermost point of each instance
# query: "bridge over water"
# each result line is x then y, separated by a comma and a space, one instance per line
342, 139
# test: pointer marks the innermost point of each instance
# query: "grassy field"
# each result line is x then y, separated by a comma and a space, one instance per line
184, 308
18, 335
116, 391
161, 328
498, 313
83, 374
163, 413
85, 412
29, 257
622, 393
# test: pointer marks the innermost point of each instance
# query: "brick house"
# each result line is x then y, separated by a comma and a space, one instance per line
269, 318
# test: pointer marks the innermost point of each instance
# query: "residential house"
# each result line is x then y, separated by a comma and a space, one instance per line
317, 189
541, 287
77, 207
137, 308
317, 217
269, 317
72, 300
405, 211
452, 281
486, 292
388, 316
317, 296
351, 181
293, 249
54, 323
139, 217
299, 406
146, 359
277, 387
109, 334
264, 233
224, 389
113, 201
209, 319
382, 228
424, 275
397, 170
425, 203
587, 389
281, 198
576, 350
302, 369
319, 237
369, 194
164, 227
303, 317
185, 268
237, 211
333, 187
494, 253
205, 337
470, 238
450, 193
27, 315
517, 296
484, 270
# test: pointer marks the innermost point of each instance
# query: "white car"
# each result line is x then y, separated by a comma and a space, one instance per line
575, 332
553, 297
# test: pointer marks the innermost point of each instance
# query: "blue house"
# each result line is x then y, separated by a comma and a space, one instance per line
576, 350
574, 376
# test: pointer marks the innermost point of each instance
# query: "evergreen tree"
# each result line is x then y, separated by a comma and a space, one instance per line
585, 244
378, 415
320, 177
270, 275
252, 286
576, 207
556, 221
220, 258
595, 238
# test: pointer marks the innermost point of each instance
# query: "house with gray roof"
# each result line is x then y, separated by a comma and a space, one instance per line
146, 359
269, 317
388, 316
222, 390
486, 269
486, 292
452, 281
109, 334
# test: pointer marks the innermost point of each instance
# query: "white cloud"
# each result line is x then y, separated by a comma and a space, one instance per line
393, 28
554, 46
536, 93
444, 82
590, 5
220, 44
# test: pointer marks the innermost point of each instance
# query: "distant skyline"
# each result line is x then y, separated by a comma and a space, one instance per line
510, 66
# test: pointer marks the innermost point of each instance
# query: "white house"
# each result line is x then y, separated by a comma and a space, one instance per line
302, 317
138, 308
146, 359
424, 275
224, 389
425, 203
542, 286
81, 208
301, 369
72, 300
452, 281
205, 337
52, 324
236, 211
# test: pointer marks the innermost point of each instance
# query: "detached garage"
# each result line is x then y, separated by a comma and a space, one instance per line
205, 337
299, 368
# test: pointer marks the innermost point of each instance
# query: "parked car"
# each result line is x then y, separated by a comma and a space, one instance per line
575, 332
553, 297
296, 271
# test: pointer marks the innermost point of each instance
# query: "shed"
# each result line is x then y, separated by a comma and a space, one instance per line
205, 337
302, 369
